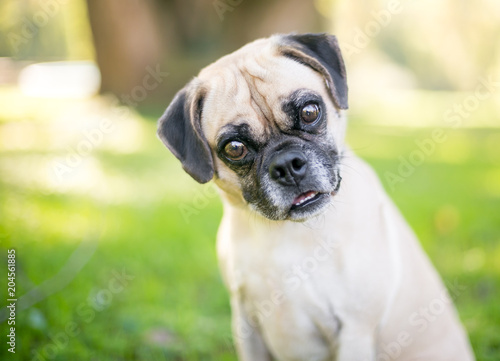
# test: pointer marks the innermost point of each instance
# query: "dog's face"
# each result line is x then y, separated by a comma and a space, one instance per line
266, 122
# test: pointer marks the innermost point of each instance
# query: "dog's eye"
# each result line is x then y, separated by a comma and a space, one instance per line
235, 150
310, 113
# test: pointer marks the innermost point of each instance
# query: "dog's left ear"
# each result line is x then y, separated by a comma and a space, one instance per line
179, 128
322, 53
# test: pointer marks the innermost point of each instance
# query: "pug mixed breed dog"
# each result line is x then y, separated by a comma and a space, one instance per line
319, 263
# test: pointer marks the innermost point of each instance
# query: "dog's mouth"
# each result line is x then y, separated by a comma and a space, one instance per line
305, 199
310, 197
311, 202
308, 204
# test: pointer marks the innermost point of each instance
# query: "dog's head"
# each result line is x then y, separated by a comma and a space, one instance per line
266, 122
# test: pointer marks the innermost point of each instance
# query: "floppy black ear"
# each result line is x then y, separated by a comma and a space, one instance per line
179, 129
322, 53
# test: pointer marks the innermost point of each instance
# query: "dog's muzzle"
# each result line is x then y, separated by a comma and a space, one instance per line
292, 171
288, 168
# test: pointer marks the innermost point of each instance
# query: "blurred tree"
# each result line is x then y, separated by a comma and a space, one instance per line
125, 39
181, 36
443, 45
36, 30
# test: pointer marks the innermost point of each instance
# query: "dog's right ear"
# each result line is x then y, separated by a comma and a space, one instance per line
179, 128
322, 53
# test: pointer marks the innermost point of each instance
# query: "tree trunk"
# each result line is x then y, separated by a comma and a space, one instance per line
126, 41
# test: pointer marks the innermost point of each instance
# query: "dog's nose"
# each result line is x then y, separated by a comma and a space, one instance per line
288, 168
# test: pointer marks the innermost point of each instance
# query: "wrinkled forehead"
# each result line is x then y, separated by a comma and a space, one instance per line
251, 87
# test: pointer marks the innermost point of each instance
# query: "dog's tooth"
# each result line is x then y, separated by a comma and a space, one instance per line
311, 196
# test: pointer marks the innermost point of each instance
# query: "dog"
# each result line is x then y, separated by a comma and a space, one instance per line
319, 263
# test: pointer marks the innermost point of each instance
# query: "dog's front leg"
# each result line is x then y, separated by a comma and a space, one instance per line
356, 343
247, 337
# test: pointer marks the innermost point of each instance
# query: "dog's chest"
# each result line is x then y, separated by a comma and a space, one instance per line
280, 281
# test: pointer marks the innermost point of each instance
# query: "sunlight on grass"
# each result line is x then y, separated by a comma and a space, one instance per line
61, 79
457, 149
474, 259
421, 109
491, 183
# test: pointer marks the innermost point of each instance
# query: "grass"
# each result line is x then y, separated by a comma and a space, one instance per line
144, 234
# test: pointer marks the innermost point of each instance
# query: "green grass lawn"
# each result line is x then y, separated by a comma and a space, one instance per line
128, 227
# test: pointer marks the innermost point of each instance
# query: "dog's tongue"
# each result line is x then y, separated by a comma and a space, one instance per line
304, 197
